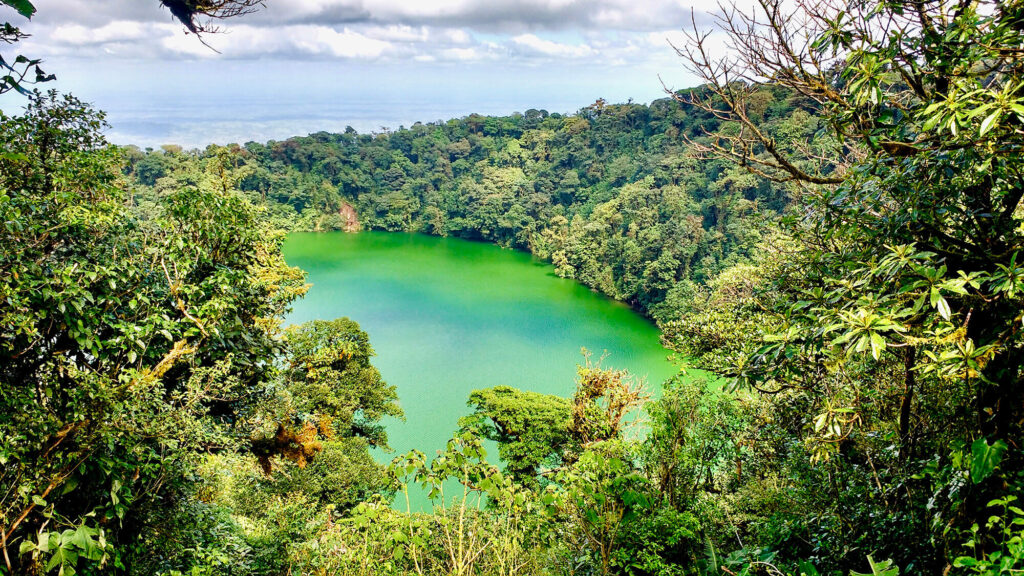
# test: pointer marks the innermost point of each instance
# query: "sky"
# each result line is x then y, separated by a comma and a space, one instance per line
301, 66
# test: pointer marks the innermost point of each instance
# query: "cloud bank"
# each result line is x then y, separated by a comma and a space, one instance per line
531, 32
308, 65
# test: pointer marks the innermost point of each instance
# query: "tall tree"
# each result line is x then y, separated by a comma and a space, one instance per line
130, 345
901, 302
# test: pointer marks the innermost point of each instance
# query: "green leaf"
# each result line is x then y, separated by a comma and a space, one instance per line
714, 562
24, 7
69, 485
985, 458
987, 123
932, 121
63, 557
877, 344
807, 569
884, 568
43, 545
820, 422
83, 538
943, 308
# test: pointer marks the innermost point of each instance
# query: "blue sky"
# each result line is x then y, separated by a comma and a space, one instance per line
300, 66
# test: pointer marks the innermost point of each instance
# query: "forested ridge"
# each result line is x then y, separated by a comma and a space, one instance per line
613, 195
840, 245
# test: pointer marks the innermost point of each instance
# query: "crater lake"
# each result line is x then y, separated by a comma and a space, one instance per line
447, 316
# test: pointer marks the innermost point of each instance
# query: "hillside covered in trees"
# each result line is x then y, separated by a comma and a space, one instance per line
613, 195
842, 245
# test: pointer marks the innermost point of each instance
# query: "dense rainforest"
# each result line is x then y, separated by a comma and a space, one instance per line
611, 194
832, 223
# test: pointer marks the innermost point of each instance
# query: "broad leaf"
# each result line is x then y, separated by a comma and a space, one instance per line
24, 7
884, 568
808, 569
985, 458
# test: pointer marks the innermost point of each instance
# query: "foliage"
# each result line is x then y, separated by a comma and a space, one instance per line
130, 345
20, 72
531, 429
604, 398
602, 494
1007, 525
242, 511
889, 343
461, 536
156, 419
329, 378
884, 568
610, 195
697, 442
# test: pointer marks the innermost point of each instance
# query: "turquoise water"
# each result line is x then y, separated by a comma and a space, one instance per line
448, 316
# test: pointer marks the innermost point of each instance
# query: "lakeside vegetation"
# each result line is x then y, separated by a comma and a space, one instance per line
843, 245
612, 195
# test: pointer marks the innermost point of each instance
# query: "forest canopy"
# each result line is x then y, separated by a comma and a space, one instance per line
832, 223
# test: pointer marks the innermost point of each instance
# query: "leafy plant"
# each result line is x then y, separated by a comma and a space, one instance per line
883, 568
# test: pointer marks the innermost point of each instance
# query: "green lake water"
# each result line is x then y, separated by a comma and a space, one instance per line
448, 316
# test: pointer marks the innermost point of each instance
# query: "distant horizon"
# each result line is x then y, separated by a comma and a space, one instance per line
304, 66
152, 116
119, 134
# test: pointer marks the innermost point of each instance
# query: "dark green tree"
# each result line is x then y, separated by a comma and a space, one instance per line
895, 312
130, 346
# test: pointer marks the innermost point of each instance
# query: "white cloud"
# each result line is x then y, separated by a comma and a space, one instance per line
548, 48
510, 16
605, 32
119, 31
514, 16
457, 36
304, 56
461, 54
298, 42
399, 33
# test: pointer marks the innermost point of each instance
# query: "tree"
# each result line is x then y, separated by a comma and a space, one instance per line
601, 495
332, 384
131, 345
898, 311
531, 429
604, 398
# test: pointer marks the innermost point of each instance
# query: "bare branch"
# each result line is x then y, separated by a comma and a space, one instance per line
190, 12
